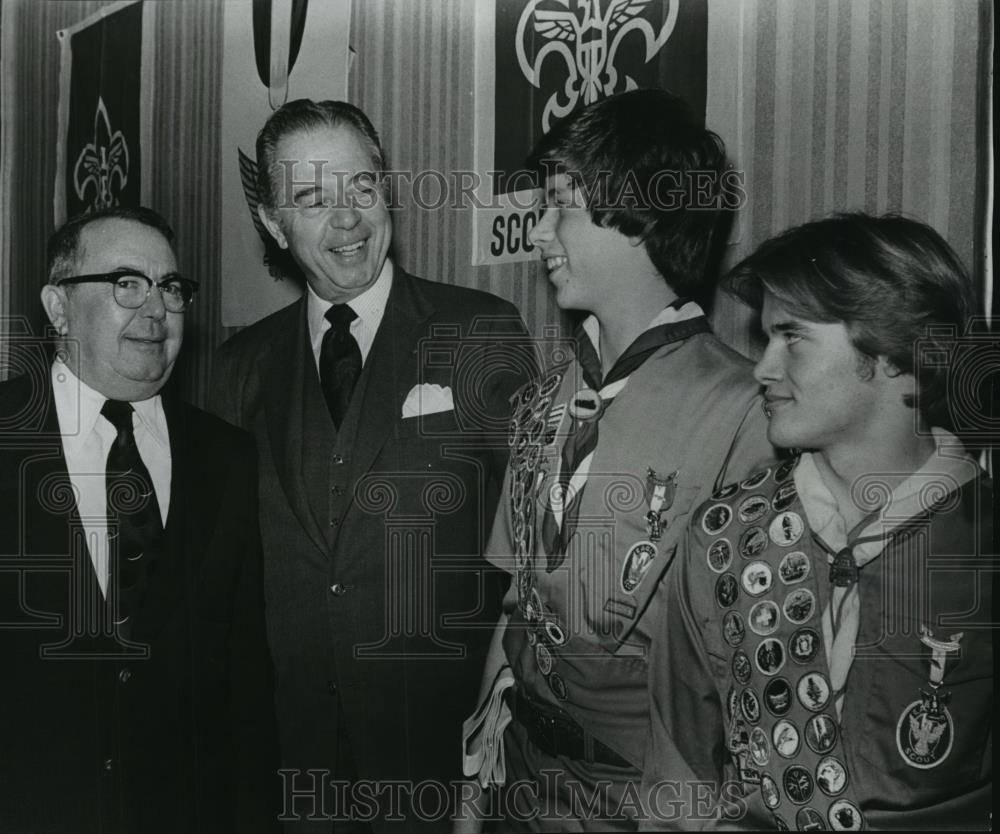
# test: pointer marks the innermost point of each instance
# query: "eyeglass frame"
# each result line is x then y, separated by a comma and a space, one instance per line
114, 277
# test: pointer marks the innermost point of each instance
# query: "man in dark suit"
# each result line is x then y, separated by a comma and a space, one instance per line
379, 402
137, 684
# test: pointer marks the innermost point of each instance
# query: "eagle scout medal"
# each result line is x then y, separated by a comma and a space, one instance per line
786, 529
844, 816
925, 730
659, 499
640, 556
586, 405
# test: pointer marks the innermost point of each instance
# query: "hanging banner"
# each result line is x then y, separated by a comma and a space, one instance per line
101, 121
539, 60
273, 51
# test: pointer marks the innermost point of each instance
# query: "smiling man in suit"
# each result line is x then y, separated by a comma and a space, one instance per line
137, 683
379, 402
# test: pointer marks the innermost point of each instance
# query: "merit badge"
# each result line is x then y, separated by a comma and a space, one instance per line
558, 686
742, 670
640, 557
555, 632
831, 776
543, 657
760, 747
533, 607
769, 792
733, 630
532, 637
786, 529
779, 823
659, 498
809, 819
798, 784
751, 509
804, 645
778, 697
783, 498
770, 656
720, 555
716, 519
727, 590
785, 738
753, 542
764, 618
725, 492
586, 405
926, 730
549, 385
821, 733
799, 605
794, 567
845, 816
755, 481
750, 705
757, 578
813, 691
732, 702
784, 470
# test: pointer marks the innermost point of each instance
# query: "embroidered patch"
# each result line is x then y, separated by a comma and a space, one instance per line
720, 555
785, 738
755, 480
799, 606
786, 529
764, 618
757, 578
770, 656
742, 670
813, 691
725, 492
845, 816
727, 590
769, 791
798, 783
821, 734
804, 645
760, 748
752, 508
733, 629
778, 697
831, 776
716, 519
794, 567
925, 732
753, 542
784, 497
640, 557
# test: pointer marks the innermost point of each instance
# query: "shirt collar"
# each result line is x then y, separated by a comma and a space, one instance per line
368, 306
668, 315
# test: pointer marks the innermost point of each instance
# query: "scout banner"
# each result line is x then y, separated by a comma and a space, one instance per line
537, 61
101, 123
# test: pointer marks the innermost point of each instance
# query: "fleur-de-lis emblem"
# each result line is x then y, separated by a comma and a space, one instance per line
102, 165
588, 42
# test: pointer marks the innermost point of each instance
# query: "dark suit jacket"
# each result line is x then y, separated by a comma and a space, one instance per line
180, 740
380, 607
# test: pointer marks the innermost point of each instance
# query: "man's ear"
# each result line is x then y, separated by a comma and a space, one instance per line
55, 302
270, 221
889, 368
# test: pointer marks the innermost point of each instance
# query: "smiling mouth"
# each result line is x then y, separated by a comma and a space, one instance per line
553, 263
350, 248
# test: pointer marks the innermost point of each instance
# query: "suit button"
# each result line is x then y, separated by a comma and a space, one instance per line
338, 460
108, 764
125, 675
337, 589
337, 490
334, 522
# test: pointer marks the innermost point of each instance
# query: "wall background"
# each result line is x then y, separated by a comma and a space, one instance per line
825, 104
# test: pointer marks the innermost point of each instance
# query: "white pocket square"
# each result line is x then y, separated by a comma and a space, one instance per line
427, 399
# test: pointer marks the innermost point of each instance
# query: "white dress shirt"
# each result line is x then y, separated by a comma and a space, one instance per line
87, 437
369, 306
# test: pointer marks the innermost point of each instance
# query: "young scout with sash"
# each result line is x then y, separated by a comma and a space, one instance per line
610, 452
827, 623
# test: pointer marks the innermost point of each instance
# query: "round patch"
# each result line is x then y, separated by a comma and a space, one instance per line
760, 747
757, 578
533, 608
550, 384
753, 542
804, 645
733, 630
720, 555
640, 557
725, 492
925, 733
845, 816
752, 508
558, 686
831, 776
727, 590
543, 657
799, 606
785, 738
732, 703
813, 691
755, 480
779, 823
786, 529
586, 405
784, 470
532, 637
742, 670
784, 497
716, 519
750, 705
555, 632
764, 618
778, 697
821, 733
798, 783
794, 567
528, 393
809, 819
769, 791
770, 656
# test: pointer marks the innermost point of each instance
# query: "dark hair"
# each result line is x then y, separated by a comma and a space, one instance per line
64, 244
891, 280
306, 114
636, 156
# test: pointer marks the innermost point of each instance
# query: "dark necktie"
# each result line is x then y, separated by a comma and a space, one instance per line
583, 434
134, 524
339, 361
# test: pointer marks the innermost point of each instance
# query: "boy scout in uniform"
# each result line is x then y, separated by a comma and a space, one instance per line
609, 454
828, 619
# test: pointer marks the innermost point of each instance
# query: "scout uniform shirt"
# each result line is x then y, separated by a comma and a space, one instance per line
577, 638
838, 679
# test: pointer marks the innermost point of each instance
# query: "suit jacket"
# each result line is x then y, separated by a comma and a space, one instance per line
380, 607
173, 734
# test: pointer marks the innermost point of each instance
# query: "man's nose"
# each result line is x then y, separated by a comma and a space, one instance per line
544, 230
344, 216
769, 370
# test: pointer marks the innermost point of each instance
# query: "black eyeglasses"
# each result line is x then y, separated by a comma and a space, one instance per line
131, 289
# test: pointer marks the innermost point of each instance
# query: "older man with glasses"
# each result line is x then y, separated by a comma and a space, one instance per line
138, 686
